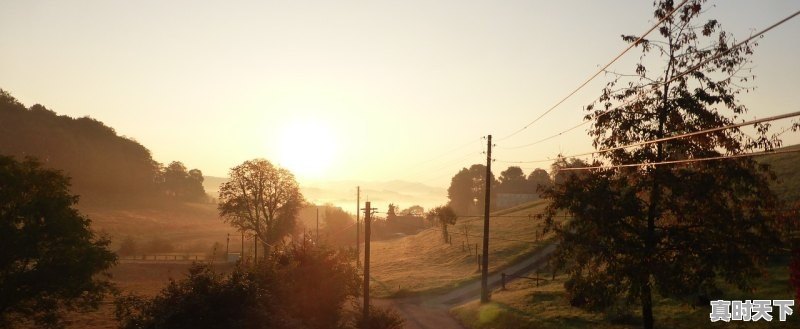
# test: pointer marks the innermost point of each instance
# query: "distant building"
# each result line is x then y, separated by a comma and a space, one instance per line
508, 200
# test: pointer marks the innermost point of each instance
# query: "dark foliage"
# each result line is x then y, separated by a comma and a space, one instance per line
49, 258
103, 165
444, 215
297, 288
466, 191
674, 230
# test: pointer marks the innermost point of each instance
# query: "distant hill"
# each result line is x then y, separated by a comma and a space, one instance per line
103, 165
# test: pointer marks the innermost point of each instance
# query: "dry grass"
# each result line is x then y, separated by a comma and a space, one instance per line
187, 227
524, 305
424, 263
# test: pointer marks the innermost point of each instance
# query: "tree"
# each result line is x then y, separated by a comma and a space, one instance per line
414, 210
182, 184
512, 180
51, 260
261, 198
444, 215
466, 191
539, 180
676, 229
298, 288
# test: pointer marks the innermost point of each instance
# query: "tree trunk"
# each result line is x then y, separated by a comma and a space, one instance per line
647, 303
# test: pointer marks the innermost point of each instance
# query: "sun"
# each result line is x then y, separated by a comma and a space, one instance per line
307, 147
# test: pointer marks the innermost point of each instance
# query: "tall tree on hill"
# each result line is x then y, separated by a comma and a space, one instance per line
50, 259
466, 189
261, 198
539, 180
512, 180
673, 230
444, 215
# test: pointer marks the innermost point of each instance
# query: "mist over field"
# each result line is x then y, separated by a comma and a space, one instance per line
386, 165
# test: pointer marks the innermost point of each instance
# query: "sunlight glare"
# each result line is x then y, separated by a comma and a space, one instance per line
307, 147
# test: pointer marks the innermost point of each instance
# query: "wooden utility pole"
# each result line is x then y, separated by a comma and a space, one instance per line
485, 262
317, 242
241, 255
367, 220
227, 244
358, 225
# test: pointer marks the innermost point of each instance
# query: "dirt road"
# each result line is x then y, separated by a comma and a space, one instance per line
432, 312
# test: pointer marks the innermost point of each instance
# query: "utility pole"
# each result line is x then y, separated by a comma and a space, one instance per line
241, 254
227, 244
317, 242
358, 225
485, 261
367, 220
255, 248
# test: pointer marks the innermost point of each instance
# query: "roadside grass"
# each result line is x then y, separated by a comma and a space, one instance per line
525, 305
784, 165
424, 263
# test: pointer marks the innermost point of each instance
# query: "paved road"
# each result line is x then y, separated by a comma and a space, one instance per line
432, 312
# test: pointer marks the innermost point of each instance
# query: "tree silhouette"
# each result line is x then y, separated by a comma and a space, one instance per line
50, 259
512, 180
261, 198
444, 215
466, 191
669, 229
539, 180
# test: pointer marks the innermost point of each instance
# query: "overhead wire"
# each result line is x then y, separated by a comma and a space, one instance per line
658, 140
678, 76
601, 70
722, 157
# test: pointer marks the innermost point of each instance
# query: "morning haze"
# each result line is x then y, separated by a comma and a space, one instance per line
207, 164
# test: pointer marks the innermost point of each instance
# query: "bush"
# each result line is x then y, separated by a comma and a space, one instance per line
379, 318
295, 288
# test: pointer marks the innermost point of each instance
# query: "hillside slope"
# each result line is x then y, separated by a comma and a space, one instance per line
785, 166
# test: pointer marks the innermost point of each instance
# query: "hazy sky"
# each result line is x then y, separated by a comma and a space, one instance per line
368, 90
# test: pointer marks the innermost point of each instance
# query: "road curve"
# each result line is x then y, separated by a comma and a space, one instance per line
432, 312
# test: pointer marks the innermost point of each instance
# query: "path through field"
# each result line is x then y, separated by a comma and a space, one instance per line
432, 312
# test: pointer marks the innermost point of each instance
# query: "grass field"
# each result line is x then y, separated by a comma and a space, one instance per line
185, 227
141, 279
425, 263
525, 305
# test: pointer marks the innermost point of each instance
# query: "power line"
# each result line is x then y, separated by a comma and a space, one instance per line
729, 49
693, 68
633, 44
682, 161
705, 131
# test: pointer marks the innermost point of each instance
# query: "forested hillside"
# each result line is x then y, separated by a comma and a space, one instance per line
103, 165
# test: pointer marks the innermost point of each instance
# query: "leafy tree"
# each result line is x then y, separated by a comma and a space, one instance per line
466, 191
444, 215
539, 180
298, 288
512, 180
51, 260
669, 229
182, 184
414, 210
261, 198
